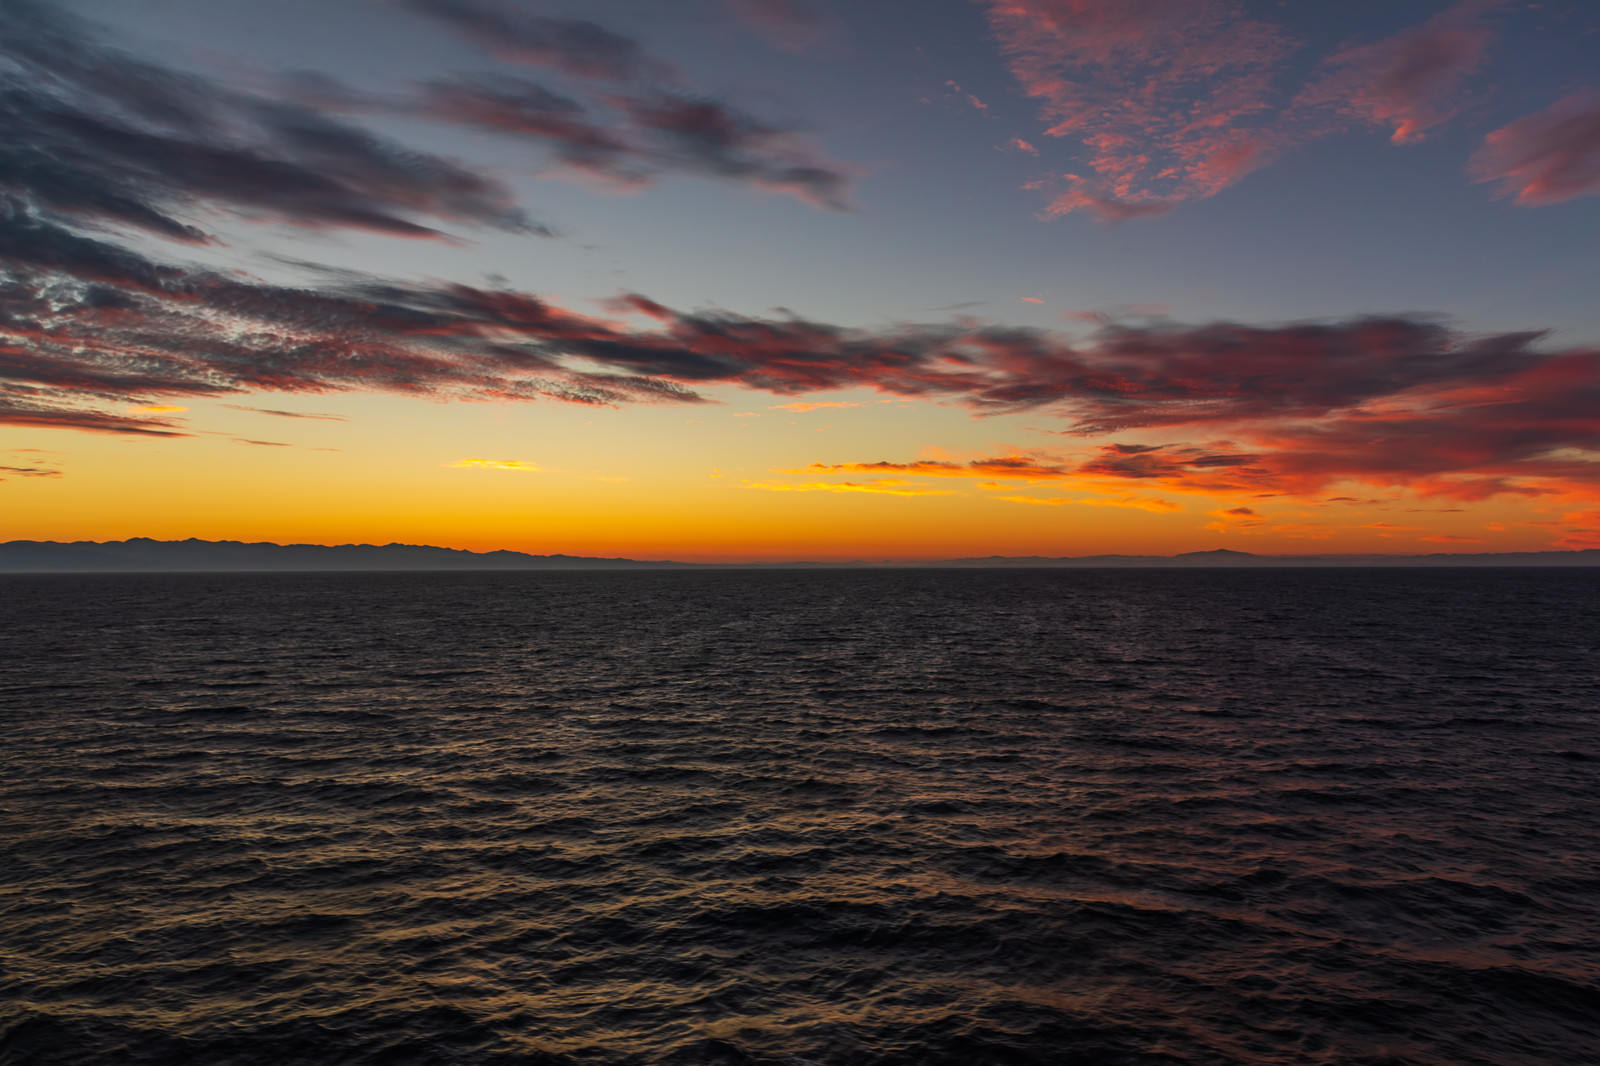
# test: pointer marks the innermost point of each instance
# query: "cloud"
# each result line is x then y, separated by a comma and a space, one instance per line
1166, 375
812, 406
663, 129
495, 464
572, 46
1109, 208
1017, 144
16, 410
1582, 530
1170, 101
1548, 157
1217, 468
1114, 314
516, 106
1495, 430
1514, 432
1014, 467
630, 139
27, 471
1163, 97
970, 98
1236, 520
1406, 81
285, 414
96, 135
713, 138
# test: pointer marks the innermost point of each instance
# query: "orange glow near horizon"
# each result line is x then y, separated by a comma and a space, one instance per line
785, 482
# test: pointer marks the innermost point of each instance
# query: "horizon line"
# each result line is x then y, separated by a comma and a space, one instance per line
1210, 556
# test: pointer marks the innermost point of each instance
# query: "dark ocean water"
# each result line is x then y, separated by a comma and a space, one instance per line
880, 817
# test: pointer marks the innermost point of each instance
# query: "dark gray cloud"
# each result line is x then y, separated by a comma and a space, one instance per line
285, 414
99, 136
635, 139
573, 46
663, 129
716, 139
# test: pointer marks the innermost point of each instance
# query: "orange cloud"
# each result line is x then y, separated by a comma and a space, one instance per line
494, 464
1583, 530
1017, 467
817, 406
1236, 520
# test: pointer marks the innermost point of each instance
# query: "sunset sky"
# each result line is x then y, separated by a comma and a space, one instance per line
801, 279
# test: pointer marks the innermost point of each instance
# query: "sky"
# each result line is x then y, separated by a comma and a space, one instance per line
757, 280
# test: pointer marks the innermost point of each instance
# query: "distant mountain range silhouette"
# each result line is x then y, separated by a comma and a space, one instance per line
141, 554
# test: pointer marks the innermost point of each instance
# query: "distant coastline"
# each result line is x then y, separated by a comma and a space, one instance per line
143, 555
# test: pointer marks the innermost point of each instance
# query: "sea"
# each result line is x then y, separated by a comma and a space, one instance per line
801, 817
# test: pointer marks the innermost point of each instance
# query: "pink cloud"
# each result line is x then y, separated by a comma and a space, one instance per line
1176, 100
1547, 157
1406, 81
1107, 208
970, 98
1158, 92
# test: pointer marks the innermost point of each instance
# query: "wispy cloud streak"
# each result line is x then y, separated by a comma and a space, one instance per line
1548, 157
1407, 81
643, 126
570, 45
96, 134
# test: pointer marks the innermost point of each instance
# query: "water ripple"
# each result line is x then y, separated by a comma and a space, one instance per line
890, 817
